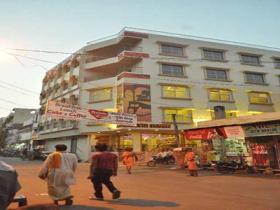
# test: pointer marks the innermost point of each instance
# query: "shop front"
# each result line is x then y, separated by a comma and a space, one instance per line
143, 141
216, 144
264, 142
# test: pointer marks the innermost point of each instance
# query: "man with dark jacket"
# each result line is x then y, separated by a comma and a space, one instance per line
8, 184
104, 165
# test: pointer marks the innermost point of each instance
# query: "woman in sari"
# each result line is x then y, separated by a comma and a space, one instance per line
192, 166
58, 170
128, 159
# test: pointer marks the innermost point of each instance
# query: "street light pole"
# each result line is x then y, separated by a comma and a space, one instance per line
176, 129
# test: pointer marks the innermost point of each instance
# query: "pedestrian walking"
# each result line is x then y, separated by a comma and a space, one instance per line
191, 162
104, 164
128, 158
58, 170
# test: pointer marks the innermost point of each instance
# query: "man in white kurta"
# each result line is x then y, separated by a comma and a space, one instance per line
58, 170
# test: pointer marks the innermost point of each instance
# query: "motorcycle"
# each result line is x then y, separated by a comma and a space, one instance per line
155, 160
225, 167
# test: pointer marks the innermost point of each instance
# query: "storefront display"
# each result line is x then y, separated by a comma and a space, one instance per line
235, 147
156, 142
264, 140
216, 144
126, 141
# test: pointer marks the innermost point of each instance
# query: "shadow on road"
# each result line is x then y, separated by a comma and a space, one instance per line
144, 203
82, 207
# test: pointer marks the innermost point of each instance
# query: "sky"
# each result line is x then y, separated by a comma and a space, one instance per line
67, 25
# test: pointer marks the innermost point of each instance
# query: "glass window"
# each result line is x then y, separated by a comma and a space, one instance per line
157, 142
126, 141
172, 70
100, 95
172, 50
255, 78
220, 95
277, 62
216, 74
259, 98
175, 92
214, 55
182, 115
250, 59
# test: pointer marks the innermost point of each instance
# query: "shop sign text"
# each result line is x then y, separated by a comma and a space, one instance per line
262, 130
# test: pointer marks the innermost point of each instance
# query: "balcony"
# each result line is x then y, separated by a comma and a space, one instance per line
127, 37
125, 58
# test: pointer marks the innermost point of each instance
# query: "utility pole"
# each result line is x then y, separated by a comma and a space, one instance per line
176, 129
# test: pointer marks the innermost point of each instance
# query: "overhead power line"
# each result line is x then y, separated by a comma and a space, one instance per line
18, 91
102, 57
11, 102
20, 88
43, 51
31, 58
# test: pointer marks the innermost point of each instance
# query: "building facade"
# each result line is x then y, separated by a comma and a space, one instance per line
16, 124
155, 76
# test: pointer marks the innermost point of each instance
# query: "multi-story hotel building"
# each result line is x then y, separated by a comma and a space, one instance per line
154, 76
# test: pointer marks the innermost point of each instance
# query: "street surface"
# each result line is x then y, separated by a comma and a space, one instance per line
160, 189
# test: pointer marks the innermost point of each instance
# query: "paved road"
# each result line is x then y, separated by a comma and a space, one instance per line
161, 189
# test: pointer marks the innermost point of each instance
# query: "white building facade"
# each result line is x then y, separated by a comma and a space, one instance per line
154, 76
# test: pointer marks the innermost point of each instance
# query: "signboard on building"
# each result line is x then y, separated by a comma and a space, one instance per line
262, 129
135, 99
146, 125
207, 133
71, 112
233, 132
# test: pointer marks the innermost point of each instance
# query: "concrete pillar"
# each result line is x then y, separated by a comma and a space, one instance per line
137, 144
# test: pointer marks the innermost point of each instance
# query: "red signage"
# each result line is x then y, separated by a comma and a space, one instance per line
205, 134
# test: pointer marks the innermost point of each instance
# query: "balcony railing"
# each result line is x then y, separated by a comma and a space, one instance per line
95, 58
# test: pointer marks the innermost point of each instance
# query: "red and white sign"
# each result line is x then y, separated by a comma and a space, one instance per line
233, 131
207, 133
71, 112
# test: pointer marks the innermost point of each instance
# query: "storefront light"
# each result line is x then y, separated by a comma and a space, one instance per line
112, 126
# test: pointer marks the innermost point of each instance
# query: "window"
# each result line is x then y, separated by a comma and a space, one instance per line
216, 74
172, 70
175, 92
168, 49
213, 55
254, 78
277, 62
182, 115
250, 59
259, 98
229, 114
220, 95
100, 95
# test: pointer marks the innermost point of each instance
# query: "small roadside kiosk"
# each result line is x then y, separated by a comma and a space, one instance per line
217, 143
255, 136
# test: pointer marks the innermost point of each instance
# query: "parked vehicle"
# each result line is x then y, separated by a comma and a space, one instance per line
226, 167
155, 160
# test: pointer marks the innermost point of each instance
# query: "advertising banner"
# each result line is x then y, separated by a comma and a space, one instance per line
135, 99
207, 133
71, 112
233, 131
